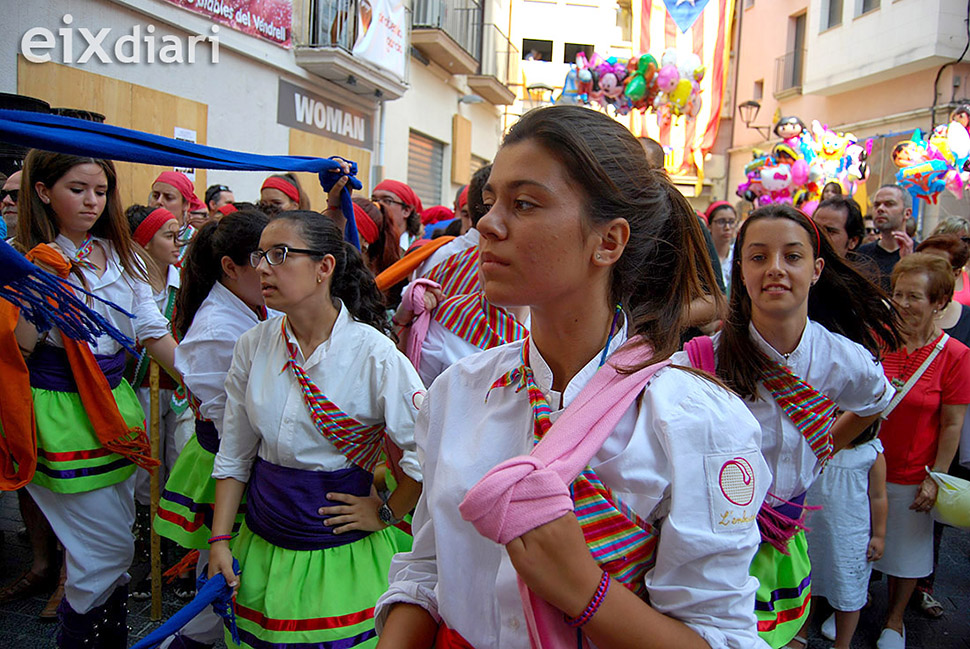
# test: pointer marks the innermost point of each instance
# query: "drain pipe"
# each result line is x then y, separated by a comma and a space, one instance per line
377, 170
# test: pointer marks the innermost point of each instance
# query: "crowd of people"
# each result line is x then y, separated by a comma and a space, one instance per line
566, 411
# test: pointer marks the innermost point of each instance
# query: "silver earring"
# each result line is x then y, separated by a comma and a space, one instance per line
598, 257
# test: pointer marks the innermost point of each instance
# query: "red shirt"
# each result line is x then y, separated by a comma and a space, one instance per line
912, 432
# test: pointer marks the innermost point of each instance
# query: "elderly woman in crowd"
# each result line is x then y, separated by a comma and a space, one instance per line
931, 371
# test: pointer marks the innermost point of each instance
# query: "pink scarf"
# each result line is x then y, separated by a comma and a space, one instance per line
413, 299
524, 492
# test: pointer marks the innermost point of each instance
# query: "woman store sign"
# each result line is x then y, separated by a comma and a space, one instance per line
307, 111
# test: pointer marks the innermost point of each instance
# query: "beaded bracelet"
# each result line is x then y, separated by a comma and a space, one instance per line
594, 603
221, 537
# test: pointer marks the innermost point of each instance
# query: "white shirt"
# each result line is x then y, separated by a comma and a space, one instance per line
442, 349
726, 265
358, 368
662, 460
205, 354
117, 287
840, 369
172, 281
459, 244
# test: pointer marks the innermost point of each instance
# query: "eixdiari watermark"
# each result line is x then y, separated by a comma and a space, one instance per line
132, 47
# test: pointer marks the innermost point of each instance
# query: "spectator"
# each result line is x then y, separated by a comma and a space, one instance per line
216, 196
831, 190
723, 222
872, 234
892, 206
841, 219
8, 202
922, 431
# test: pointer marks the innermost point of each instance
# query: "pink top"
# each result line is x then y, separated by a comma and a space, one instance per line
963, 295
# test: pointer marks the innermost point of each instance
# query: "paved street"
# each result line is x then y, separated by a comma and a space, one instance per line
20, 627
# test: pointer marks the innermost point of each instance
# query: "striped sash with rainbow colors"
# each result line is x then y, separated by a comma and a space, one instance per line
623, 544
458, 274
812, 412
474, 319
359, 443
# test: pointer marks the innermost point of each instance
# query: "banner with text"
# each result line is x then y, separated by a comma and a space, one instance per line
267, 19
307, 111
381, 34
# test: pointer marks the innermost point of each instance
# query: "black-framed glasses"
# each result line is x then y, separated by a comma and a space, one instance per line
277, 255
872, 231
387, 201
14, 194
724, 223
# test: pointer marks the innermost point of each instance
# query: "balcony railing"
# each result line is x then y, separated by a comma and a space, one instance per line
789, 69
460, 19
333, 23
498, 54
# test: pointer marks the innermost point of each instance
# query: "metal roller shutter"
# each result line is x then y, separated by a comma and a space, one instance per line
426, 158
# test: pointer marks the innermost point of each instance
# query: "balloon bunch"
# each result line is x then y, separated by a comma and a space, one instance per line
671, 87
926, 168
799, 167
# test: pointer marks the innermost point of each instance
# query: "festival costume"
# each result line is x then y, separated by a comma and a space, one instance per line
854, 383
83, 488
302, 583
695, 571
456, 246
167, 452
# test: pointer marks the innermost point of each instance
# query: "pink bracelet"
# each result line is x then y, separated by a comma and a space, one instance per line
221, 537
594, 603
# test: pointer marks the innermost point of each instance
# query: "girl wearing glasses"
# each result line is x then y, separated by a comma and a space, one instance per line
666, 562
721, 220
281, 193
88, 422
795, 306
310, 396
219, 301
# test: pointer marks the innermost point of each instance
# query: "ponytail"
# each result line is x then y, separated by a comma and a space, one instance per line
235, 235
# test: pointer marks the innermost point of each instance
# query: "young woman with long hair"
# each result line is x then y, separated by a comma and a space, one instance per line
799, 343
89, 424
220, 300
310, 397
607, 254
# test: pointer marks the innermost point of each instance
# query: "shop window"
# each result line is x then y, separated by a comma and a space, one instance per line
570, 50
426, 159
534, 49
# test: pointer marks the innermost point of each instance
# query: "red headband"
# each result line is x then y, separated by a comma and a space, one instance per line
285, 186
463, 198
713, 207
184, 186
403, 192
436, 214
227, 209
151, 225
366, 227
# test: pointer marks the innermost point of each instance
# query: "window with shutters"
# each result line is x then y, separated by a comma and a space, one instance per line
425, 163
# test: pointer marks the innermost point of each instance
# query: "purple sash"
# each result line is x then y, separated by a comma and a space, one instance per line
208, 436
50, 369
283, 504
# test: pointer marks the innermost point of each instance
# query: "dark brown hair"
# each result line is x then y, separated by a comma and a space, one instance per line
955, 247
665, 264
842, 300
37, 223
386, 249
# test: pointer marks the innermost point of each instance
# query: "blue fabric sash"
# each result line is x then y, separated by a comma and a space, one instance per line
50, 369
283, 502
84, 138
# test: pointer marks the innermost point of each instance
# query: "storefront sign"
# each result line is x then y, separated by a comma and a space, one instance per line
310, 112
381, 34
267, 19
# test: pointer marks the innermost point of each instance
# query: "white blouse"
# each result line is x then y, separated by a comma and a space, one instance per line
358, 368
172, 281
205, 354
665, 460
442, 349
840, 369
116, 286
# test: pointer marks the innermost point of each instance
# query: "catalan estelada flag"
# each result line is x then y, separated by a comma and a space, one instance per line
709, 38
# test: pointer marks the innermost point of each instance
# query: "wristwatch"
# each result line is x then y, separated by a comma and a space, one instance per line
386, 515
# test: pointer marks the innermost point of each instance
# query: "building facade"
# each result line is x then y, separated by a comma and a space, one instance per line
409, 90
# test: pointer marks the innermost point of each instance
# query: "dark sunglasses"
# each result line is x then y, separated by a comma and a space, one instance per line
14, 194
872, 231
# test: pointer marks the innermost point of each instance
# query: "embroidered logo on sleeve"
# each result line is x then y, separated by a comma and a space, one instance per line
417, 399
731, 491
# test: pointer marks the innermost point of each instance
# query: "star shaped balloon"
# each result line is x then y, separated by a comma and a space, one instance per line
685, 12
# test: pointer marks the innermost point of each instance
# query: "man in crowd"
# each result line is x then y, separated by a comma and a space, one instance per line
891, 206
872, 234
217, 196
841, 219
8, 202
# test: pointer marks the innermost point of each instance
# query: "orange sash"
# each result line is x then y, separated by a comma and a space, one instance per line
404, 266
18, 443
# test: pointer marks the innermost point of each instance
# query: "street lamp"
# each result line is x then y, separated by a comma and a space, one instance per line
749, 112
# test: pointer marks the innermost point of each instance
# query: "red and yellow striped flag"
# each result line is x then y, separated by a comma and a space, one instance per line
709, 37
